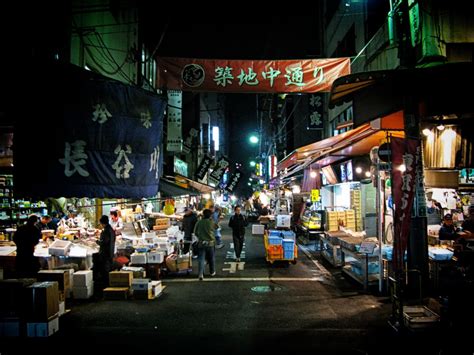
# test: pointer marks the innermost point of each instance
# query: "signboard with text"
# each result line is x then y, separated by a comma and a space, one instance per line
304, 75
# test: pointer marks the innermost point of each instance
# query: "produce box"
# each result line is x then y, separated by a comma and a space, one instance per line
42, 301
83, 278
59, 248
116, 293
60, 276
120, 278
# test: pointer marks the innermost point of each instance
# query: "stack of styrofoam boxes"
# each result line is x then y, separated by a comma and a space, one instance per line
258, 229
62, 277
164, 244
356, 205
83, 284
350, 220
12, 306
42, 314
333, 224
288, 249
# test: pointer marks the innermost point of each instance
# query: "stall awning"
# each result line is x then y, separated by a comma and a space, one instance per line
170, 189
355, 142
196, 185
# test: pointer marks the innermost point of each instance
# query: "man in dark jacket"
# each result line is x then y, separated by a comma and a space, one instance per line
106, 251
238, 222
187, 226
26, 238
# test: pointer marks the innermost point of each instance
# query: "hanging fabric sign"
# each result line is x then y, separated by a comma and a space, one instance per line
404, 166
174, 140
219, 170
104, 139
204, 166
233, 181
300, 76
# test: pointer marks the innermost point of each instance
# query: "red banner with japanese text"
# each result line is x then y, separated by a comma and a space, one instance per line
274, 76
404, 166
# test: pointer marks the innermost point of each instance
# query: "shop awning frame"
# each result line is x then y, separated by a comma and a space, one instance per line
169, 189
352, 143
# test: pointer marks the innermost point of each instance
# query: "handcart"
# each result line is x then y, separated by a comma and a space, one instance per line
279, 249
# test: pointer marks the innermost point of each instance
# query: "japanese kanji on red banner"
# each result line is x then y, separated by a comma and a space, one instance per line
277, 76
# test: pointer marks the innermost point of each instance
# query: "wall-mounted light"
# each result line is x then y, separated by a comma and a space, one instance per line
402, 168
440, 127
358, 170
296, 189
313, 174
367, 174
426, 132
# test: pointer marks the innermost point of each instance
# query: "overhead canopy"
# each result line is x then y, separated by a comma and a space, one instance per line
196, 185
355, 142
441, 89
170, 189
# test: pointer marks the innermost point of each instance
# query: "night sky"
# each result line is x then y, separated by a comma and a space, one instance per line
236, 33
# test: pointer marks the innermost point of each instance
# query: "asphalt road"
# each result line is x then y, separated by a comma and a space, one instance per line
257, 308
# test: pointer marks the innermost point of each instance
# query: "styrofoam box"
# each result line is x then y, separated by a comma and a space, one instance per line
155, 257
283, 221
83, 278
156, 287
138, 258
43, 329
258, 229
83, 293
59, 247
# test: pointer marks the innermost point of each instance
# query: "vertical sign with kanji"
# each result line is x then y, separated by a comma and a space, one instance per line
174, 138
219, 170
204, 166
315, 113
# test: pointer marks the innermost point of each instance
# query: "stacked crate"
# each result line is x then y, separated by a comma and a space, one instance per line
356, 205
332, 222
162, 224
350, 222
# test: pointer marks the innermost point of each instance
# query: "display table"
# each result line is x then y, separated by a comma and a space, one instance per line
355, 266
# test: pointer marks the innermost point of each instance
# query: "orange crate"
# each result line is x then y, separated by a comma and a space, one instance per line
274, 251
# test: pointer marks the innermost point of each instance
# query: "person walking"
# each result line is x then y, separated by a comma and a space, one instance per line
187, 226
216, 217
26, 238
205, 233
238, 222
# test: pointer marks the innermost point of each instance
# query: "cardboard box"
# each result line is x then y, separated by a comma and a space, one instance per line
120, 278
138, 271
116, 293
42, 329
60, 276
83, 278
13, 297
42, 301
143, 294
83, 293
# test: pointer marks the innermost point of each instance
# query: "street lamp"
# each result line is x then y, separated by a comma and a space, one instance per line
252, 163
253, 139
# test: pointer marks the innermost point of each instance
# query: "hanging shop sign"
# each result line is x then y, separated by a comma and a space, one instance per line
404, 168
316, 110
174, 140
180, 167
204, 166
188, 143
219, 170
103, 140
305, 75
233, 181
314, 195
